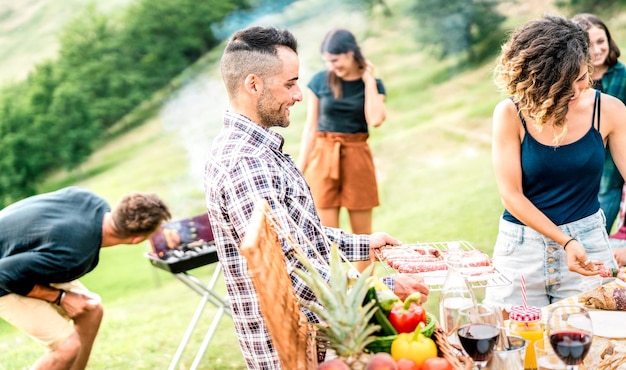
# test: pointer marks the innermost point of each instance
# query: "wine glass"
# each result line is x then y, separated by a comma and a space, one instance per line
478, 332
570, 333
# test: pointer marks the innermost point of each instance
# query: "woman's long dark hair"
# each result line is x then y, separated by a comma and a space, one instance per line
341, 41
586, 21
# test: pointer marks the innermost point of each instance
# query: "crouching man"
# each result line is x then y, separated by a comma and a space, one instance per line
48, 241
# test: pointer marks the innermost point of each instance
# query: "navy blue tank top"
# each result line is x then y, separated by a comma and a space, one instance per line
563, 181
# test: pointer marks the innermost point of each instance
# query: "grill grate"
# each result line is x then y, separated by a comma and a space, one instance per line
478, 277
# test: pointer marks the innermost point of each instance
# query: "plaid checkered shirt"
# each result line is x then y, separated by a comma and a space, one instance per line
245, 163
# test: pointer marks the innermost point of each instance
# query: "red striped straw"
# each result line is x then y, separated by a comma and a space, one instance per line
524, 292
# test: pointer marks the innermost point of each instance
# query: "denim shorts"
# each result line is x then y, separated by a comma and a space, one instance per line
520, 250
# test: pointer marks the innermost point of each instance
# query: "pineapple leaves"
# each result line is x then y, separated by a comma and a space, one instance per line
340, 305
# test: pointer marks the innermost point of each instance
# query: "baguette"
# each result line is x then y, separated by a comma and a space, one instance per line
605, 298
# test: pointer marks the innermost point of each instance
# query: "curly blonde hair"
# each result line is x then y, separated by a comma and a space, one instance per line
538, 66
139, 214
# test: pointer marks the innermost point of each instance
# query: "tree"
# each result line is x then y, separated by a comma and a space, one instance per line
453, 27
589, 6
106, 68
369, 5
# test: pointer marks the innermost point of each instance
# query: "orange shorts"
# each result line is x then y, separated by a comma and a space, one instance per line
341, 172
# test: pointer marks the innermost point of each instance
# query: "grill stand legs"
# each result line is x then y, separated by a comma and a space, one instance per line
208, 295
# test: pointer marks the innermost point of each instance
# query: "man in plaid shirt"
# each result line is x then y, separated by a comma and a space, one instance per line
246, 162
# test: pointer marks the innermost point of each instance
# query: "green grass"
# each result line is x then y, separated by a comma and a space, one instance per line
432, 156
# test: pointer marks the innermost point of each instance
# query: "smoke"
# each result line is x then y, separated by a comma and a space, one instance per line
243, 18
195, 114
195, 111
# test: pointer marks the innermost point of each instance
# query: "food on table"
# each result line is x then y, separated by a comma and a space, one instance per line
608, 272
379, 319
385, 296
346, 319
605, 354
333, 364
414, 346
419, 258
605, 298
436, 363
406, 364
381, 361
406, 316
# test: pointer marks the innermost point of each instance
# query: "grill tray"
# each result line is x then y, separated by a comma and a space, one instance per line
434, 279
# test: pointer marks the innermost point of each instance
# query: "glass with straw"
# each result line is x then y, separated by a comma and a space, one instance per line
526, 323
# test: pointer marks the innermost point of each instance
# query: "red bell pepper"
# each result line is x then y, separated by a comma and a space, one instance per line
405, 316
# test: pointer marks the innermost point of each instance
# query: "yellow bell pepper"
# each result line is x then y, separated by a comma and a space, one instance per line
413, 346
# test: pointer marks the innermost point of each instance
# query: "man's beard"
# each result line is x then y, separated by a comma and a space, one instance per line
269, 117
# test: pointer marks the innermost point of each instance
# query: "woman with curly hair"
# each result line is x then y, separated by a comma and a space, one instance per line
548, 148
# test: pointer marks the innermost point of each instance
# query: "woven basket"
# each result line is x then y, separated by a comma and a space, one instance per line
453, 354
292, 336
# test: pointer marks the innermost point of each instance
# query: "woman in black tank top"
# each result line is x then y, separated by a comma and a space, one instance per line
548, 154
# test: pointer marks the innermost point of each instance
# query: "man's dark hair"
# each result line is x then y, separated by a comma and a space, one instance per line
587, 21
254, 51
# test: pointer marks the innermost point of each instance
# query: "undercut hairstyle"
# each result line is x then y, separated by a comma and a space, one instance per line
586, 21
253, 50
340, 41
139, 214
538, 66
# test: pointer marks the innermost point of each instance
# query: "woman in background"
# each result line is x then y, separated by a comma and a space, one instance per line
343, 102
548, 148
609, 76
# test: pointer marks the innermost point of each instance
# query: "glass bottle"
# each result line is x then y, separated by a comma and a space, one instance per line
455, 293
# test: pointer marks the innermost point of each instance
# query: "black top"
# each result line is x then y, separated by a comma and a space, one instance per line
346, 115
563, 181
50, 238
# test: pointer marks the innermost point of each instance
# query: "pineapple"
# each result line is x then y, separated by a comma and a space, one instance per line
340, 307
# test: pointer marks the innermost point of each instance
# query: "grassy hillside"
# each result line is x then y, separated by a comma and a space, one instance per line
432, 156
29, 30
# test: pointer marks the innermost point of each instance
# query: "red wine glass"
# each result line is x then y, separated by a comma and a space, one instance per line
478, 332
570, 333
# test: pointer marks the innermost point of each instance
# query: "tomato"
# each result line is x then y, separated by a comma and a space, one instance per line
436, 363
406, 364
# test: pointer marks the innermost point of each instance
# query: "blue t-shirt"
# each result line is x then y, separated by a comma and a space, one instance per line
563, 181
50, 238
345, 115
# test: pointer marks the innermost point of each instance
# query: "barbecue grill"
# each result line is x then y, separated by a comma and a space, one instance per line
181, 246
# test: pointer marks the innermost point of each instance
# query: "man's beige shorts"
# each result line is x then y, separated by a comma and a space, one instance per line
43, 321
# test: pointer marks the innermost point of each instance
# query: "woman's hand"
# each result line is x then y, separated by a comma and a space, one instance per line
620, 256
577, 260
368, 71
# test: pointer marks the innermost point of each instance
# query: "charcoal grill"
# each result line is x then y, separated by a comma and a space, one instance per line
181, 246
